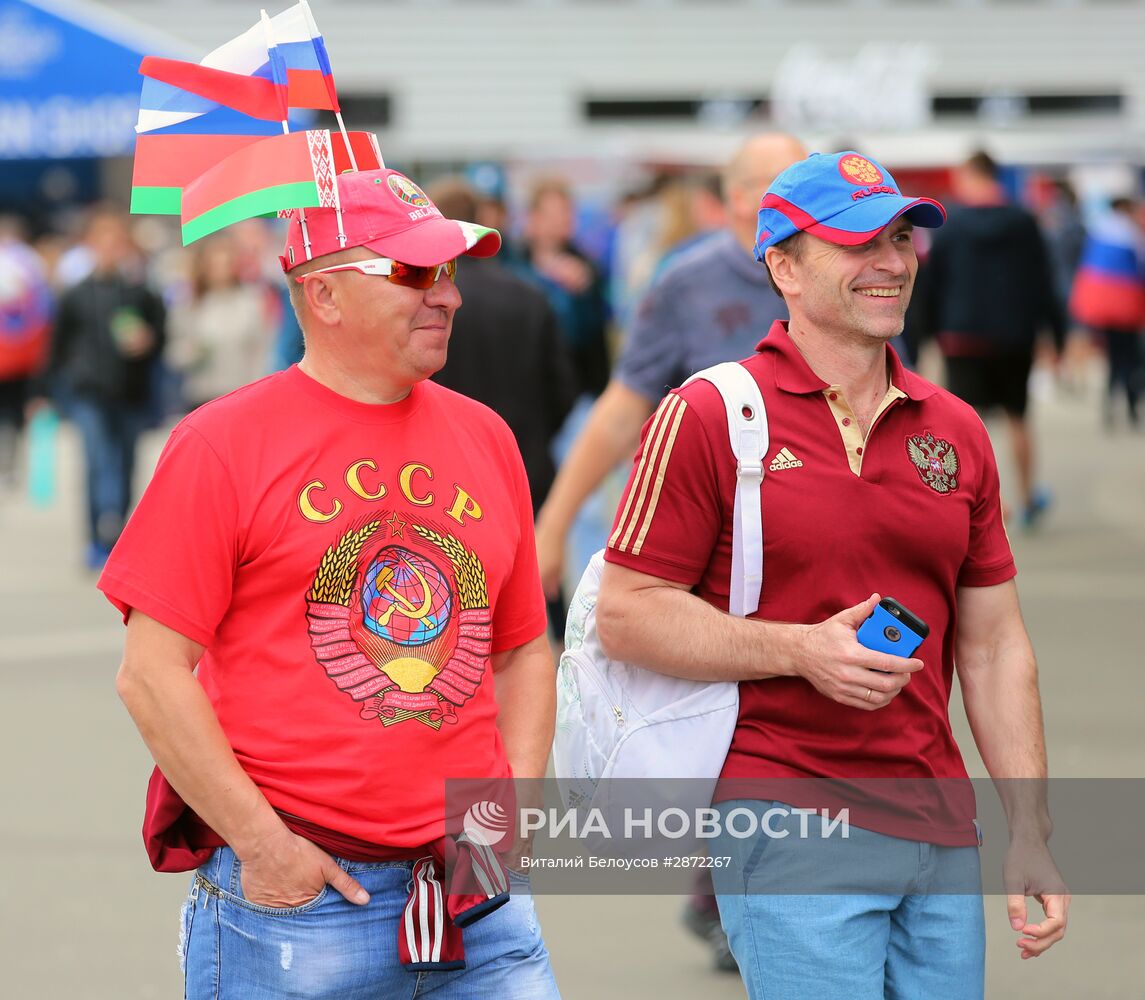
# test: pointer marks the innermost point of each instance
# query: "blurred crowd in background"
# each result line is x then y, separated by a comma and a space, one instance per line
107, 321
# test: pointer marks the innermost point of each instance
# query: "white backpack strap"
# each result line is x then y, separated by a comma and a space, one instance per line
747, 433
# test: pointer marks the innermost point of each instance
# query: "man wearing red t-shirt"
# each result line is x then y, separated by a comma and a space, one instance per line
875, 480
333, 606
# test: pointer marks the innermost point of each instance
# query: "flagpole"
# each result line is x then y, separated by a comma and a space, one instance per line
271, 53
314, 33
349, 148
275, 69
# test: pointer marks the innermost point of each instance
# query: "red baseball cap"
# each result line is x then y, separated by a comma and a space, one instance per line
390, 214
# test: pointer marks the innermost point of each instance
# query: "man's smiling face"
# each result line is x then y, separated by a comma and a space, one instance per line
856, 291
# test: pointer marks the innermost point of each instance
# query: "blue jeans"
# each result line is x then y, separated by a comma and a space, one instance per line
235, 950
110, 431
918, 934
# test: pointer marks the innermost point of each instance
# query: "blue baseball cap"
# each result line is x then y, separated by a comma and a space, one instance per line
844, 198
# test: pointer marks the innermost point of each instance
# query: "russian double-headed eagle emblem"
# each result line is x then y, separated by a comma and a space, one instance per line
859, 170
936, 461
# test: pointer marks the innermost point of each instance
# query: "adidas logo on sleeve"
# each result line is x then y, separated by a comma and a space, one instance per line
784, 460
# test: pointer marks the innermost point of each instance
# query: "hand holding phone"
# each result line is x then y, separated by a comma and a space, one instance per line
893, 629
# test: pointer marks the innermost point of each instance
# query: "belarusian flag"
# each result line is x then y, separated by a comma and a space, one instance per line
285, 171
167, 159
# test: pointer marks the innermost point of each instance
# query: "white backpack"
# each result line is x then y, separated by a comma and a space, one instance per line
619, 720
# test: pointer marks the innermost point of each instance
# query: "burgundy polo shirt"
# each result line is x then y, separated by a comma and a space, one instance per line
912, 512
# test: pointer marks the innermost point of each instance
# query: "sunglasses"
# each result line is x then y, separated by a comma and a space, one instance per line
407, 275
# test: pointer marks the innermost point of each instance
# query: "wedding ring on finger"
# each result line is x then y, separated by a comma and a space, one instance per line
867, 696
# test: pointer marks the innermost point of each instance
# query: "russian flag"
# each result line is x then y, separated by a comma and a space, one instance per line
288, 50
1109, 288
309, 79
283, 59
185, 88
174, 93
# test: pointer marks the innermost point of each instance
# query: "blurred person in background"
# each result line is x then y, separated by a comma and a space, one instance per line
25, 315
73, 259
985, 293
673, 215
108, 335
254, 244
49, 248
287, 345
575, 288
220, 335
570, 280
1109, 298
640, 216
507, 352
1061, 221
488, 182
711, 303
678, 227
692, 215
253, 241
1064, 230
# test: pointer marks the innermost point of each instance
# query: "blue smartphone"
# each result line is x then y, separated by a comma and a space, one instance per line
893, 629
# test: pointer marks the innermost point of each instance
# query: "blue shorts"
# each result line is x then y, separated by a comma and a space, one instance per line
918, 933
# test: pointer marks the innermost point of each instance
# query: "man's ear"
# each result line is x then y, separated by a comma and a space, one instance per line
782, 267
321, 301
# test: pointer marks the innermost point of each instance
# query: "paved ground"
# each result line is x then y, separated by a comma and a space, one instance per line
82, 916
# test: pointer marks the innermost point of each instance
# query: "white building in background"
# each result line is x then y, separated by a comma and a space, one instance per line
915, 82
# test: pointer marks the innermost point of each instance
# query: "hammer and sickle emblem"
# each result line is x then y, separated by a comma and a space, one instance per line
399, 601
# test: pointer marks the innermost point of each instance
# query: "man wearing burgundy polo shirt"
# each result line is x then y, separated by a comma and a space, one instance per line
876, 482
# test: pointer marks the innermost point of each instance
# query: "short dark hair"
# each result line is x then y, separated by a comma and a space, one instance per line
105, 211
546, 186
455, 197
1122, 204
793, 246
1066, 190
709, 181
983, 163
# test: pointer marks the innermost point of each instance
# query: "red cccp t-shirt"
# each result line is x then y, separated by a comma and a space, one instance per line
911, 512
350, 569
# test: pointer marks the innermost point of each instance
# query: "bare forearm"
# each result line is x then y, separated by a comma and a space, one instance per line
1003, 706
611, 434
526, 699
675, 632
177, 723
662, 626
